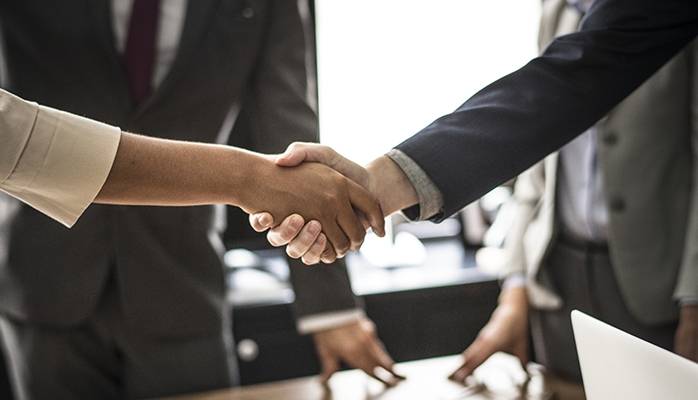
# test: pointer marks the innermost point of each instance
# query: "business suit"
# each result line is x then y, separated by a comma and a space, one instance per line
645, 148
514, 122
160, 269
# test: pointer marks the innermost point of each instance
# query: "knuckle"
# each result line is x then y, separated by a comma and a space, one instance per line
342, 246
294, 146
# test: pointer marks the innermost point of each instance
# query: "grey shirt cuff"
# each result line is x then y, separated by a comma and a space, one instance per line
329, 320
430, 198
688, 301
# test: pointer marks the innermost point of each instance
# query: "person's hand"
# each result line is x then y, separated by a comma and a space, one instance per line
300, 152
358, 346
306, 242
506, 331
382, 178
686, 339
318, 193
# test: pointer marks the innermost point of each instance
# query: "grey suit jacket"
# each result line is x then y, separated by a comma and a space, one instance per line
234, 54
646, 147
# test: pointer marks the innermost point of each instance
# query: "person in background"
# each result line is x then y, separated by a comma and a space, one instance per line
607, 225
500, 131
515, 121
131, 301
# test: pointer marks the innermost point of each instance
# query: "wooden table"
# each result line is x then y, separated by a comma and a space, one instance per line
426, 380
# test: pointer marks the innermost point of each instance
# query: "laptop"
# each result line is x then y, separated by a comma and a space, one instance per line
616, 365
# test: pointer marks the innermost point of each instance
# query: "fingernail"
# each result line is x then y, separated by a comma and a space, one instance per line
296, 222
313, 228
264, 220
459, 376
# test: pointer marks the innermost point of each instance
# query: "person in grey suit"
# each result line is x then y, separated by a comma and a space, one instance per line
606, 225
130, 302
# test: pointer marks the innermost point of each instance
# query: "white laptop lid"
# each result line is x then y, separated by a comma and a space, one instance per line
616, 365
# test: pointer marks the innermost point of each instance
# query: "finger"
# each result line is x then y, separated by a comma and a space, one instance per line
314, 254
330, 365
337, 236
295, 154
364, 361
387, 364
372, 373
384, 360
286, 231
352, 228
305, 239
260, 222
473, 357
364, 202
299, 152
328, 256
363, 218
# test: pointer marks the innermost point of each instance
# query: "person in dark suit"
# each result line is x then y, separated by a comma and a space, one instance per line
131, 301
516, 121
604, 226
512, 123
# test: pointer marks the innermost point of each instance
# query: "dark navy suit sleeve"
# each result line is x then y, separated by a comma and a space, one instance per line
519, 119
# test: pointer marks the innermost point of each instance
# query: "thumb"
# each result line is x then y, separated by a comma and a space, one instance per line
299, 152
296, 153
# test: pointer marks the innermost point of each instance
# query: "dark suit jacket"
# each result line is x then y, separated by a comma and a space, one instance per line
517, 120
167, 261
645, 153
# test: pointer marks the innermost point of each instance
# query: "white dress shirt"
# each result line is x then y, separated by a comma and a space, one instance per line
170, 26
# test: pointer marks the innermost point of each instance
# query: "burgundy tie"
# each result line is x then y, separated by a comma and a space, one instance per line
140, 47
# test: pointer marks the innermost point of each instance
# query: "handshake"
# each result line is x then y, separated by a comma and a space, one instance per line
311, 198
320, 204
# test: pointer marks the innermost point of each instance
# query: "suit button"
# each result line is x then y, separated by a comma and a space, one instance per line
617, 204
610, 139
248, 12
248, 350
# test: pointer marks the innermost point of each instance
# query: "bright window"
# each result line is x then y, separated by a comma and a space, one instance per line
387, 68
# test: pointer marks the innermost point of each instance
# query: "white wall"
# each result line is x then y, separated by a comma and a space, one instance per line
387, 68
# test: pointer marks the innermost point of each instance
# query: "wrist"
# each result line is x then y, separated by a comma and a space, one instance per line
515, 297
249, 174
389, 184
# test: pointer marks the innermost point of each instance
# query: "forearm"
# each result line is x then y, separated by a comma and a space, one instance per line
151, 171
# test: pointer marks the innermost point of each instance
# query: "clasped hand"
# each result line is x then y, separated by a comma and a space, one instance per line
341, 209
382, 178
309, 241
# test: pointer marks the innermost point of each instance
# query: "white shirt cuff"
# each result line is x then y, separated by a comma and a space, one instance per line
64, 165
514, 280
320, 322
